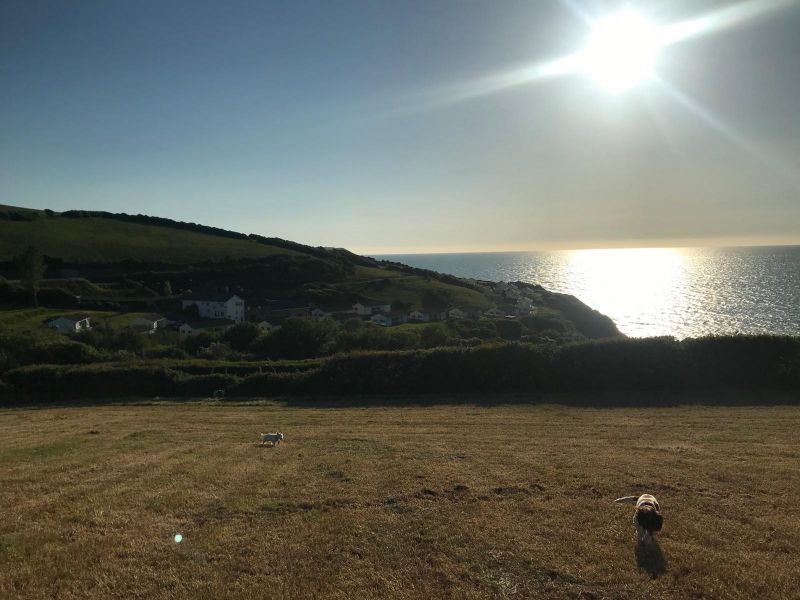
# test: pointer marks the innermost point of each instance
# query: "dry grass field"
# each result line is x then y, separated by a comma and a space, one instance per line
396, 501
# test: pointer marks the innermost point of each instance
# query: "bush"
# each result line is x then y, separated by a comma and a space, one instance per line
165, 352
60, 352
54, 382
205, 385
638, 364
270, 384
304, 338
193, 343
508, 329
242, 335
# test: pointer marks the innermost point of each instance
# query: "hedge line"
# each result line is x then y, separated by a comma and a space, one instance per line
607, 365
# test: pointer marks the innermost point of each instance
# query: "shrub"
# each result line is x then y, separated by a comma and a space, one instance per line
54, 382
193, 343
242, 335
304, 338
618, 364
60, 352
204, 385
508, 329
270, 384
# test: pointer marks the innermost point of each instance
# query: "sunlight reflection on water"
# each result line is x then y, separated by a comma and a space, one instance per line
684, 292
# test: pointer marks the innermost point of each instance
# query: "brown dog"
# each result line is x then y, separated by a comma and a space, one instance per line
647, 519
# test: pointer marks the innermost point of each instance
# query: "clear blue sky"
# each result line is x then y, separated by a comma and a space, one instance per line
314, 121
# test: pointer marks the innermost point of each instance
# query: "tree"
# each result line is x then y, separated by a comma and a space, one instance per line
436, 334
241, 335
167, 291
304, 338
508, 329
32, 271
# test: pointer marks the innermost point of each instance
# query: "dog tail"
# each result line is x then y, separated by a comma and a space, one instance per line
627, 500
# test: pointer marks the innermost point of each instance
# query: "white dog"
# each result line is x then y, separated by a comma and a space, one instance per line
274, 438
647, 519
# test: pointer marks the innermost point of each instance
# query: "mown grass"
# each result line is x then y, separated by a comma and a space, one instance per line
395, 500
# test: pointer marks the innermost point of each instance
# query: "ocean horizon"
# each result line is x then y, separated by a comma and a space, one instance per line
680, 292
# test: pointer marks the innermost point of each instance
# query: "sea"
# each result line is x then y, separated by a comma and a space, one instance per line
680, 292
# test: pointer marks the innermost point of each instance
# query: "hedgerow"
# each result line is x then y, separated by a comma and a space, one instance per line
744, 362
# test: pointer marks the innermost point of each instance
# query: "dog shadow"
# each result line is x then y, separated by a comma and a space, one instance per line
650, 558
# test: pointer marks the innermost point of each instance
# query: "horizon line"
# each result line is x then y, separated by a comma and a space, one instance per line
738, 242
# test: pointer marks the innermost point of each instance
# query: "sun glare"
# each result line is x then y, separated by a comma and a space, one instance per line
621, 51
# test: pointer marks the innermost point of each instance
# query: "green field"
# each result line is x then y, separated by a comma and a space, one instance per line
92, 239
396, 501
412, 289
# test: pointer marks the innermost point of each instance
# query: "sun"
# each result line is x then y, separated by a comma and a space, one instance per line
621, 51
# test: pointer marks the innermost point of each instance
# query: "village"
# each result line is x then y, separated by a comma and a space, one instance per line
215, 312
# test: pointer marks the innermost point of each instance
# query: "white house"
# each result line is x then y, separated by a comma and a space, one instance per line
381, 319
215, 305
418, 315
493, 313
456, 313
148, 323
70, 323
205, 325
361, 309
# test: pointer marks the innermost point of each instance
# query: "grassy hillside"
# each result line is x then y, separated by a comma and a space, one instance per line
122, 262
425, 501
413, 288
98, 239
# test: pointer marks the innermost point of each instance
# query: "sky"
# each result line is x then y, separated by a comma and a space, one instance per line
370, 125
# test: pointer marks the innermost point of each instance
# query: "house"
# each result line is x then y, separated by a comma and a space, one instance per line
216, 305
197, 326
70, 323
493, 313
456, 313
361, 309
371, 309
318, 313
381, 319
148, 323
419, 316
